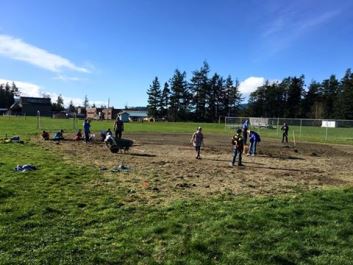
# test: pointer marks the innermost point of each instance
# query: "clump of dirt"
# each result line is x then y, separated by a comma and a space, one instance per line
162, 167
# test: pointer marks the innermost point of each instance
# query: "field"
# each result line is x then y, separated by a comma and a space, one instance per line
291, 204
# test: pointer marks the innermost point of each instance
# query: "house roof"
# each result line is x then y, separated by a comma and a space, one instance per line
36, 101
134, 113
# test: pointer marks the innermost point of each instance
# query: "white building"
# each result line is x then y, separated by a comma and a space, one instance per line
132, 115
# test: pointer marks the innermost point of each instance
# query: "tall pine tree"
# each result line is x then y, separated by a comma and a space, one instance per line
154, 98
347, 95
180, 97
165, 101
199, 88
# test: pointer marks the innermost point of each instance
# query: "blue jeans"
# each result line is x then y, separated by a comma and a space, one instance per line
237, 152
252, 148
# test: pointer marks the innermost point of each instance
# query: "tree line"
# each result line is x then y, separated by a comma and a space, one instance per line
202, 98
7, 94
330, 99
205, 98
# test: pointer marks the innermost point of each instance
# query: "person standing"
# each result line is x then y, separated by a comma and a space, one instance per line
285, 129
245, 128
118, 128
197, 141
238, 147
254, 138
87, 129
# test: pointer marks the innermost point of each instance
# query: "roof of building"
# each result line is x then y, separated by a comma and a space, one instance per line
135, 113
37, 101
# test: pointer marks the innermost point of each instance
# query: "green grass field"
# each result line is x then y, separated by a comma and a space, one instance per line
27, 126
52, 215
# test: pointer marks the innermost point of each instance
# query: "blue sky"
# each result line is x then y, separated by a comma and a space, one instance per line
114, 49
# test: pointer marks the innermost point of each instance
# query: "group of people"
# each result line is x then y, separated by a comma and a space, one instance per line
58, 136
86, 134
239, 141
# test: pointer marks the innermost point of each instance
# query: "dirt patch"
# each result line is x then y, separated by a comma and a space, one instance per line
162, 167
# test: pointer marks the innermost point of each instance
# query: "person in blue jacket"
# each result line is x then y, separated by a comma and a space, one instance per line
87, 130
254, 138
245, 128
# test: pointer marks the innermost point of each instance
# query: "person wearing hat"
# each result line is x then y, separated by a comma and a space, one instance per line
238, 147
197, 141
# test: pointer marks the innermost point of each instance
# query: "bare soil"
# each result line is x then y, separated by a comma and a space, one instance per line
162, 167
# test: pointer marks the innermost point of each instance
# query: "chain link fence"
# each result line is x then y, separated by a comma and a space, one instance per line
321, 130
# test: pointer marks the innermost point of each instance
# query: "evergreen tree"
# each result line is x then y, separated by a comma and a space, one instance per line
180, 97
165, 98
257, 100
236, 98
330, 90
346, 101
59, 104
6, 96
225, 97
213, 99
86, 102
154, 98
275, 96
312, 102
14, 90
3, 102
71, 107
295, 92
199, 87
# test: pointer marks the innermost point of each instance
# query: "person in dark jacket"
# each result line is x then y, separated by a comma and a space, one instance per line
87, 130
285, 129
238, 147
254, 138
118, 128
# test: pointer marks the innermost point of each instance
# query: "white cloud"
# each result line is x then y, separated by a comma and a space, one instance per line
290, 23
250, 85
26, 89
32, 90
17, 49
66, 78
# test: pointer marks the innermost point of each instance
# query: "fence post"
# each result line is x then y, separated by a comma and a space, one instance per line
74, 122
38, 119
326, 134
277, 125
300, 128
